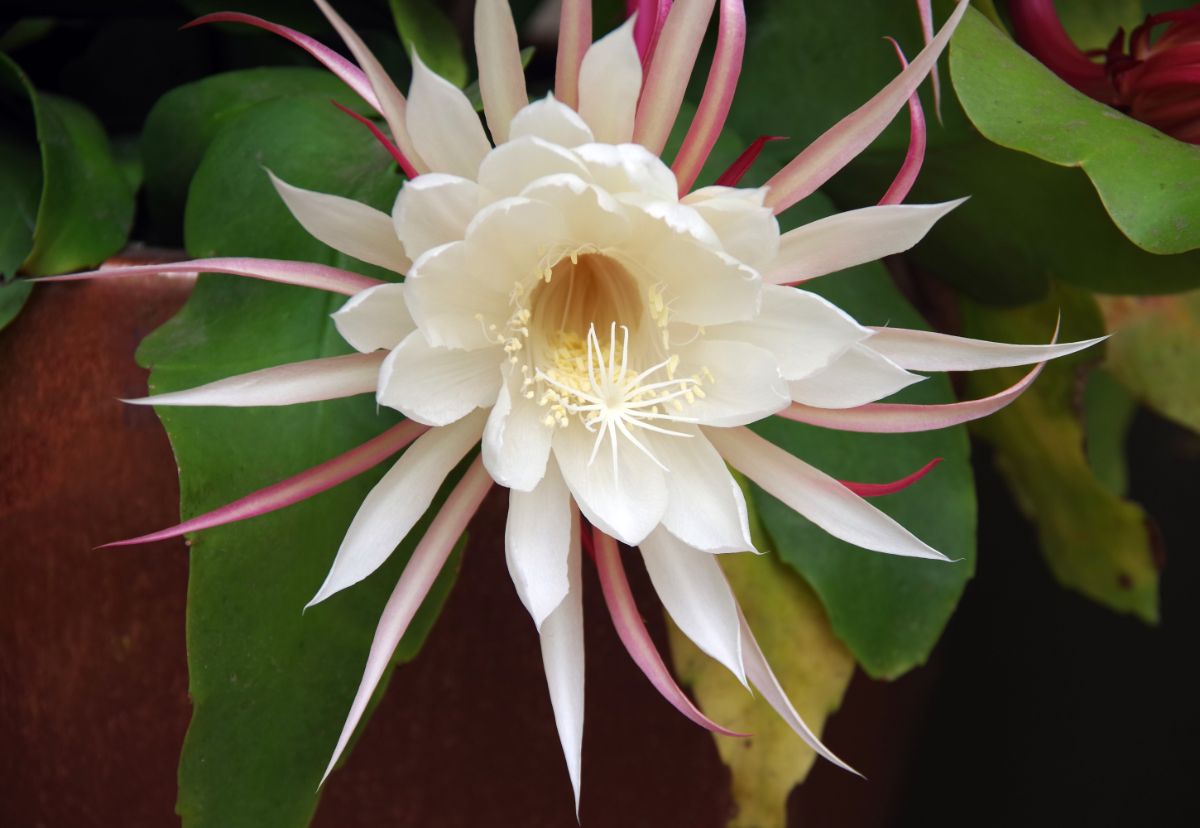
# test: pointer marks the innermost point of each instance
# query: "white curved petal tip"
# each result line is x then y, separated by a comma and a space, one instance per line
760, 673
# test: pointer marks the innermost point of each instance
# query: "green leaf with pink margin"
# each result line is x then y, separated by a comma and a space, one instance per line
1148, 182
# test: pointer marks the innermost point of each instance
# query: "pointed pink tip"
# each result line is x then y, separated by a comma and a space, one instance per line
915, 156
742, 164
880, 489
405, 165
221, 17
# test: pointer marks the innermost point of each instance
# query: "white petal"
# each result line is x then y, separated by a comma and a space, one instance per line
397, 502
629, 168
928, 351
747, 230
694, 591
434, 209
375, 318
804, 331
562, 655
436, 386
346, 225
428, 558
610, 80
626, 501
759, 671
510, 167
516, 443
443, 124
816, 495
447, 299
589, 215
702, 286
744, 385
298, 382
501, 76
551, 121
508, 242
852, 238
678, 217
705, 506
859, 376
537, 539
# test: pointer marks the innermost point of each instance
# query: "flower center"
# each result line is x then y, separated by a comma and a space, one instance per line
583, 290
594, 350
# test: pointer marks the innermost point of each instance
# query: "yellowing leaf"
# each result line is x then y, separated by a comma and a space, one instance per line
813, 666
1155, 351
1093, 540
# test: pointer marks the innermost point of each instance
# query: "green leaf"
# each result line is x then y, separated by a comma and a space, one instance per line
184, 121
1091, 24
25, 32
86, 207
426, 28
1094, 541
1148, 182
810, 64
20, 189
270, 685
811, 663
1155, 350
888, 610
1026, 223
12, 299
1108, 410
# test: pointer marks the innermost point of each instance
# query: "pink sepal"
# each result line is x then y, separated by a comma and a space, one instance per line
905, 418
303, 274
880, 489
296, 488
742, 164
633, 634
903, 182
392, 149
710, 115
350, 74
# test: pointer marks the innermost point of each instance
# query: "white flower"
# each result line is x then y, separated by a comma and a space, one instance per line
605, 338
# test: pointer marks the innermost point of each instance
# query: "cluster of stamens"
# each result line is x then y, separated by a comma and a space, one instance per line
608, 396
584, 378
